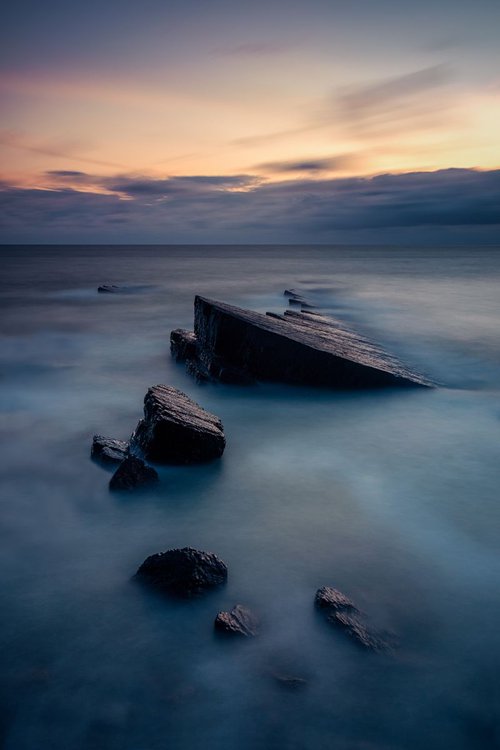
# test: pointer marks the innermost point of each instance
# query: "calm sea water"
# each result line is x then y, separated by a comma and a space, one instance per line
391, 497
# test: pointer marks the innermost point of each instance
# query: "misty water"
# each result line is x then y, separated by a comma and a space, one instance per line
390, 496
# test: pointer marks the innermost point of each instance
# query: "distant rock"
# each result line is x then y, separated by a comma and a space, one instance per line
240, 621
108, 289
341, 613
133, 473
176, 430
108, 450
184, 572
289, 681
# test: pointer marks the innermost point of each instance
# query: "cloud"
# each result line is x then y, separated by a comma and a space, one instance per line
314, 165
15, 140
416, 98
243, 209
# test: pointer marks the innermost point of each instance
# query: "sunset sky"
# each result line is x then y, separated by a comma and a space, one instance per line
273, 121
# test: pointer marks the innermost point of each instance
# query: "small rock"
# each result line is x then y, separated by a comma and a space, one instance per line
133, 473
239, 621
108, 450
183, 572
183, 344
341, 612
288, 681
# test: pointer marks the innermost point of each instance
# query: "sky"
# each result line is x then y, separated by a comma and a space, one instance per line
265, 122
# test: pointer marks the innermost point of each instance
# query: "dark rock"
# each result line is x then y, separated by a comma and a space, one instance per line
183, 344
198, 371
108, 450
108, 289
298, 347
288, 681
239, 621
131, 474
183, 572
176, 430
341, 612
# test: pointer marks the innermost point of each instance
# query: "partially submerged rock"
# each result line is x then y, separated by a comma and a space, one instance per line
183, 344
341, 612
176, 430
240, 621
133, 473
108, 289
184, 572
108, 450
300, 347
289, 681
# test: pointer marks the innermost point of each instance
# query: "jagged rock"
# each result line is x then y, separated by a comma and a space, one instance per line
176, 430
239, 621
133, 473
341, 612
108, 450
184, 572
297, 347
183, 344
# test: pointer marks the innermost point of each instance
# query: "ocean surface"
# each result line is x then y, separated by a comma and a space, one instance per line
392, 497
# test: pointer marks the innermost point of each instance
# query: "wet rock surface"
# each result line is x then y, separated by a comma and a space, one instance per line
340, 612
300, 347
108, 450
183, 344
176, 429
240, 621
133, 473
183, 572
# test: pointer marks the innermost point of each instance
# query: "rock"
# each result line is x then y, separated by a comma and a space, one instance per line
108, 289
288, 681
183, 344
240, 621
183, 572
108, 450
198, 371
341, 612
131, 474
298, 347
176, 430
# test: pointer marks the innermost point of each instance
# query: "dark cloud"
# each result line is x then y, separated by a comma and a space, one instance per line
327, 164
219, 208
65, 173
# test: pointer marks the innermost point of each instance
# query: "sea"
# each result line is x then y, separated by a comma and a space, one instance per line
391, 496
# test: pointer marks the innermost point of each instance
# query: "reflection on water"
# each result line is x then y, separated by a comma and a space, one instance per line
391, 497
